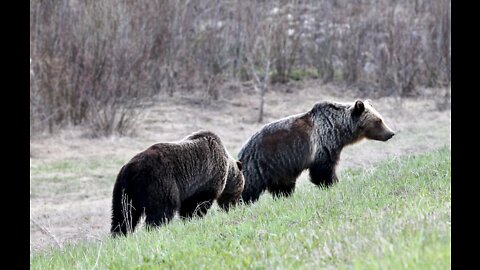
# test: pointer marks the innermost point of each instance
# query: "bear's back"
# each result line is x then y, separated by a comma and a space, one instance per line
181, 160
275, 130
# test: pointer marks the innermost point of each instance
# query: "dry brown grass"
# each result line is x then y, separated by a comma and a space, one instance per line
72, 175
89, 59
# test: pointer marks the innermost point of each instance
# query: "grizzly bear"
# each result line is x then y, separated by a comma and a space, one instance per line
275, 156
184, 176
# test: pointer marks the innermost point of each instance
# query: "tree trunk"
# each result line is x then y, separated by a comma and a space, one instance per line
262, 101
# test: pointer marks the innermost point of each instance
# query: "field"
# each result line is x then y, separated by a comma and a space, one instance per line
393, 213
396, 216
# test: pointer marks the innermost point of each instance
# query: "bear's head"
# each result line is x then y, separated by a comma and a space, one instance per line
232, 193
235, 174
370, 123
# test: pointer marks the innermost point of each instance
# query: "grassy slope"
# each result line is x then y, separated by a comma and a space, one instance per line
396, 216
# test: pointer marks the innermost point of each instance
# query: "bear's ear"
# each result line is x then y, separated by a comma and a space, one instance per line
239, 164
359, 107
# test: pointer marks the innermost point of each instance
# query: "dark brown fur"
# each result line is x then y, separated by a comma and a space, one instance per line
276, 155
184, 177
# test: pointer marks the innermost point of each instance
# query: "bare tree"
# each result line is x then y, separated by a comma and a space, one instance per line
260, 57
110, 54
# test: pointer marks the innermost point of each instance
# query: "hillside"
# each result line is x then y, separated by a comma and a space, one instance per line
395, 216
72, 174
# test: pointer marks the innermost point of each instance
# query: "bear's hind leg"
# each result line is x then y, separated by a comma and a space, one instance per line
126, 212
125, 221
161, 202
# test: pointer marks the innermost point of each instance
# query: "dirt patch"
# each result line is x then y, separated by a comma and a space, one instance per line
81, 211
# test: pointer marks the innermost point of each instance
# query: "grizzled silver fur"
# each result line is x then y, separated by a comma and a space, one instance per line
275, 156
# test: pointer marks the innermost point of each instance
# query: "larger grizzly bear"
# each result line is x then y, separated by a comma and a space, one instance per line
185, 176
275, 156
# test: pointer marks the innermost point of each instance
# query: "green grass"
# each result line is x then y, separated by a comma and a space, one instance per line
394, 216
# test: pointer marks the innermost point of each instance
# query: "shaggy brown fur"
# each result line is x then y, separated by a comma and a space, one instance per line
275, 156
185, 176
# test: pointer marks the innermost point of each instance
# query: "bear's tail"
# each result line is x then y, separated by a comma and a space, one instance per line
124, 215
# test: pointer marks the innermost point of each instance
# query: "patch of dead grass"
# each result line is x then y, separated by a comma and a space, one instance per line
81, 211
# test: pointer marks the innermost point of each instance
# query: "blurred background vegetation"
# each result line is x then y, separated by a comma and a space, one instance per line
93, 63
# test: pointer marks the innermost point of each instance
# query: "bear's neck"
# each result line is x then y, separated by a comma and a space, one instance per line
334, 131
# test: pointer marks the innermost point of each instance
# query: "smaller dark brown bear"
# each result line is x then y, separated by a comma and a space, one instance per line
185, 176
275, 156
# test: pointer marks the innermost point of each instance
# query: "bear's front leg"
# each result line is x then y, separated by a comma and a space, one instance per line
231, 194
323, 175
283, 188
228, 200
197, 205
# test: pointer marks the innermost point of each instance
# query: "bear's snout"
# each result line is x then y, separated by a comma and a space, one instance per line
389, 136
